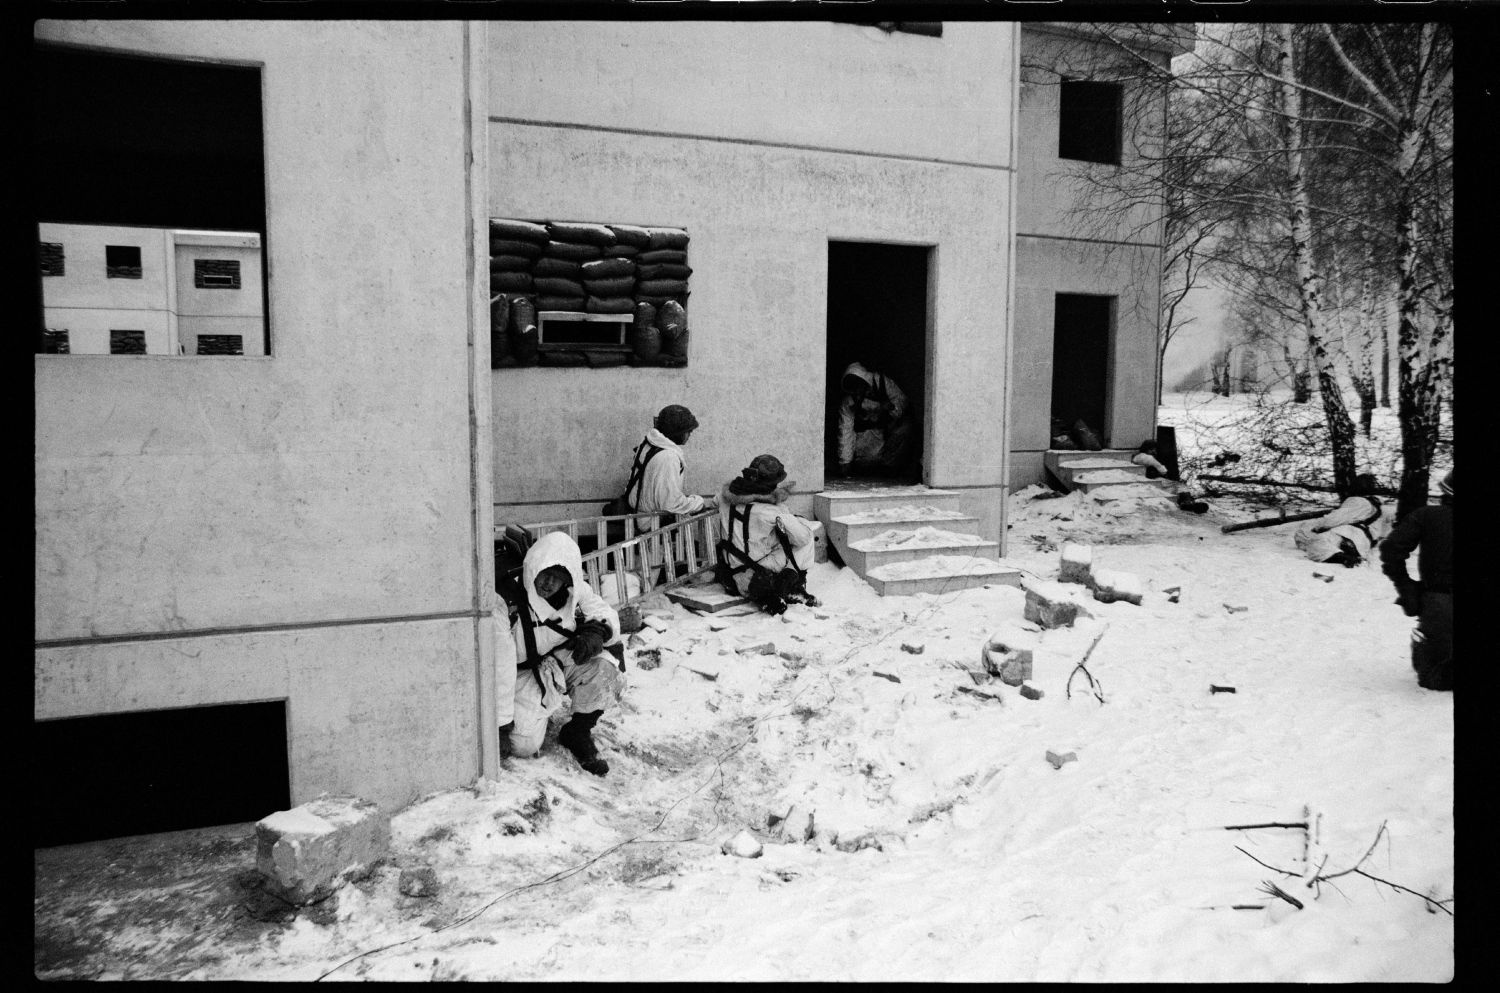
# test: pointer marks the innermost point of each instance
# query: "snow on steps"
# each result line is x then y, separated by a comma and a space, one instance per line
910, 539
941, 574
1086, 471
905, 544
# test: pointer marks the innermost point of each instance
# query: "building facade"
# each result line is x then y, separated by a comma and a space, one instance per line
311, 525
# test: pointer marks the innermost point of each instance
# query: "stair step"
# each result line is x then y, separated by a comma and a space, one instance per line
835, 503
1067, 464
941, 574
857, 527
1094, 478
908, 544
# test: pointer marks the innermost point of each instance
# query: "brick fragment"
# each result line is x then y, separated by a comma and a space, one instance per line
1076, 564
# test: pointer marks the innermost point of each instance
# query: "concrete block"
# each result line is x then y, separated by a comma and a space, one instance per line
742, 845
1016, 668
1110, 585
1076, 564
1051, 606
1030, 692
797, 826
308, 852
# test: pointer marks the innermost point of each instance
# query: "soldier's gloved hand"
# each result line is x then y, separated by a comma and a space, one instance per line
1409, 598
589, 640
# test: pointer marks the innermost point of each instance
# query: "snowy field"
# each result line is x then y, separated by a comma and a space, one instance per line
945, 846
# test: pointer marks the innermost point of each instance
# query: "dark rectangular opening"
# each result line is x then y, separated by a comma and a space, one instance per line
53, 263
1081, 335
556, 331
127, 342
216, 274
220, 344
1089, 121
878, 317
146, 772
122, 261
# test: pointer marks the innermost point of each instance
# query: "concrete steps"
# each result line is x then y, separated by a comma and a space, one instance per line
910, 539
1085, 471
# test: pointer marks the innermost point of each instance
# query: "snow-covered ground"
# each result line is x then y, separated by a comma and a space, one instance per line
945, 845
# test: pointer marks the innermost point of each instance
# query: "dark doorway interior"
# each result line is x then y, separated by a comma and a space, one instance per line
877, 316
159, 770
1081, 333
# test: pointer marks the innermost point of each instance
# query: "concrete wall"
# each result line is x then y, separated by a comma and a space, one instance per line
301, 525
857, 135
1070, 239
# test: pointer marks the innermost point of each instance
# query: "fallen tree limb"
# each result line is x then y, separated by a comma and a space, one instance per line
1265, 522
1093, 683
1247, 481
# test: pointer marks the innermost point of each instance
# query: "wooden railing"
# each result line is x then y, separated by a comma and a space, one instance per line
659, 557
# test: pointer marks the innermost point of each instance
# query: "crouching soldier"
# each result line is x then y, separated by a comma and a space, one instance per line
565, 642
766, 549
875, 429
1428, 531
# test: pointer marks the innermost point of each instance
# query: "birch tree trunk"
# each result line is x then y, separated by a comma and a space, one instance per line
1309, 282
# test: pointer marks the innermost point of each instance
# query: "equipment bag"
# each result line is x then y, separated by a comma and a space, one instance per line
769, 590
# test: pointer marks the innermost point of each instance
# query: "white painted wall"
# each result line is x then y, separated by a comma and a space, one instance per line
328, 482
908, 143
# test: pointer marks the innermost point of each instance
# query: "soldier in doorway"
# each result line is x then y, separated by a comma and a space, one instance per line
875, 427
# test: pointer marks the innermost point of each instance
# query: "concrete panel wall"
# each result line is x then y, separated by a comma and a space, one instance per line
1068, 198
370, 708
1046, 267
804, 83
570, 102
328, 481
760, 219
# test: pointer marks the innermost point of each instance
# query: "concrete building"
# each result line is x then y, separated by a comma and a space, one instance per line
311, 527
176, 287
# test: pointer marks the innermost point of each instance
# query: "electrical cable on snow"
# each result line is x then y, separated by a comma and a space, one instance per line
941, 598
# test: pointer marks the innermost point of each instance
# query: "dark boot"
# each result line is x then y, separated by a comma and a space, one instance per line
505, 730
577, 737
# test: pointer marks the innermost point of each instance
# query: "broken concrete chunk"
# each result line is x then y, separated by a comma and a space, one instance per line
859, 842
998, 661
1016, 668
630, 619
1059, 760
1030, 692
796, 827
646, 658
420, 881
1234, 609
644, 638
825, 839
1174, 593
764, 648
1326, 577
742, 845
1050, 605
913, 649
1111, 585
309, 851
1076, 565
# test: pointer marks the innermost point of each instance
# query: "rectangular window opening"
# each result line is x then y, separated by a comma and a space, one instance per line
122, 261
113, 775
562, 329
127, 342
1089, 121
220, 344
216, 274
52, 259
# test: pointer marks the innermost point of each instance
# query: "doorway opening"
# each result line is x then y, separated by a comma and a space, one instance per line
878, 317
148, 772
1082, 335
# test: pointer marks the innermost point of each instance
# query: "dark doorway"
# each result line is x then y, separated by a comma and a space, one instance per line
877, 316
1081, 334
158, 770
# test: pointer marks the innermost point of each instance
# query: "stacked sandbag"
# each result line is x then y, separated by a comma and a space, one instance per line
588, 268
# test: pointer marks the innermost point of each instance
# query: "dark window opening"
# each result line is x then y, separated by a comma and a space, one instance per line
122, 261
878, 316
144, 142
54, 341
575, 329
114, 775
216, 274
1081, 336
52, 259
1089, 121
931, 29
220, 344
127, 342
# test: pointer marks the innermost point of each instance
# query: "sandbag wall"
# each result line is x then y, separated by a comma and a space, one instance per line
590, 269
